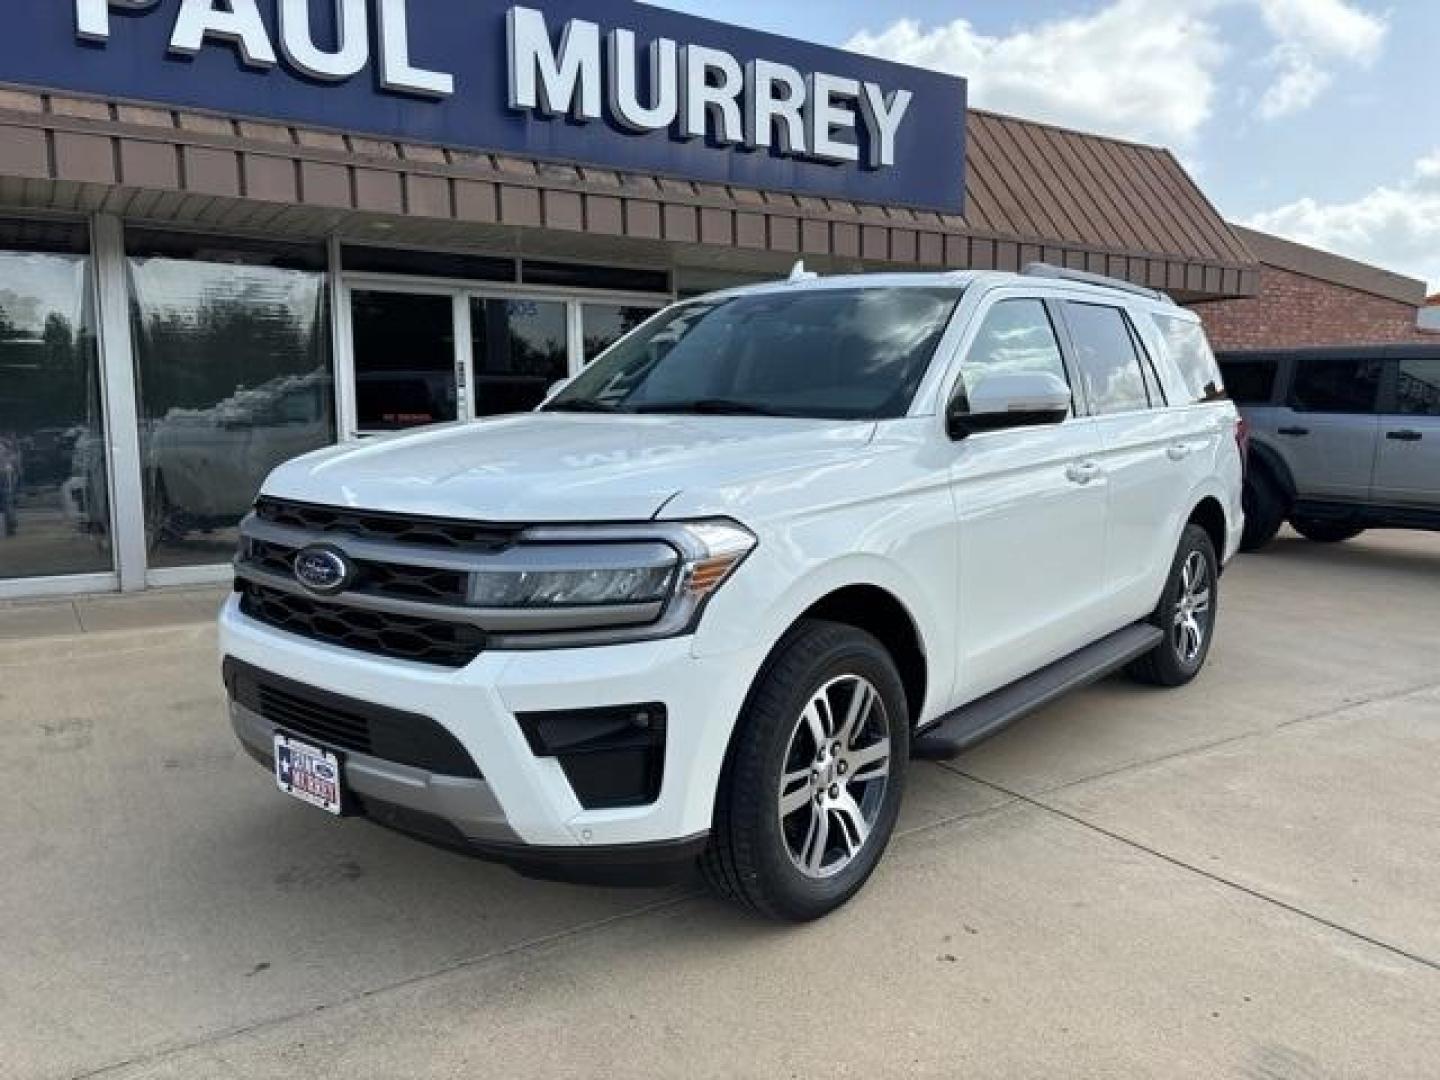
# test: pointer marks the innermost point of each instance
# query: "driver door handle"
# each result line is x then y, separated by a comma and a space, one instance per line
1083, 472
1178, 451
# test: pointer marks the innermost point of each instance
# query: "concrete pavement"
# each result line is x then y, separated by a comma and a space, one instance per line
1240, 879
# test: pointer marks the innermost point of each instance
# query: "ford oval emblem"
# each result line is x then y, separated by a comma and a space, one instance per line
323, 570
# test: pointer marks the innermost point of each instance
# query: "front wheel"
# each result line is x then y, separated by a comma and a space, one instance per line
811, 790
1186, 614
1325, 532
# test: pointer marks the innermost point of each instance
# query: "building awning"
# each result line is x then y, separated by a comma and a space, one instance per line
1036, 193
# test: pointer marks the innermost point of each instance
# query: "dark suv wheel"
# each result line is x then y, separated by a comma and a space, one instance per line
1325, 532
812, 787
1186, 614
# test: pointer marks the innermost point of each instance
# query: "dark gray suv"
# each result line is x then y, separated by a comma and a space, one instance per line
1341, 439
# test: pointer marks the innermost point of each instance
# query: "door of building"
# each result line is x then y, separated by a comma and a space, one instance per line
417, 354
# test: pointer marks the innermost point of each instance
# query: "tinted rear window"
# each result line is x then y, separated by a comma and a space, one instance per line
1336, 386
1250, 382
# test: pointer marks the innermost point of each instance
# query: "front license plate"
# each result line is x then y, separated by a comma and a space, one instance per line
310, 774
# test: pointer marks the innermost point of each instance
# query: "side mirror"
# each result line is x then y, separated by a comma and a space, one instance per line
1023, 399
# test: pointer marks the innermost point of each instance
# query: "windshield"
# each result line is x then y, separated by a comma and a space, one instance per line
849, 354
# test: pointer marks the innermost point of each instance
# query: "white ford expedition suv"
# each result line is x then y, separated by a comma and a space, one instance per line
707, 602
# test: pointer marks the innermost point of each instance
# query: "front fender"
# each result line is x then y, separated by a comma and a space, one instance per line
762, 602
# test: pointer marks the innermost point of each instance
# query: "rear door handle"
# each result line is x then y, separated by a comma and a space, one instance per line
1178, 451
1083, 472
1404, 436
1296, 432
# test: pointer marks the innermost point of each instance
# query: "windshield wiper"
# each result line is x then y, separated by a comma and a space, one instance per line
711, 407
580, 405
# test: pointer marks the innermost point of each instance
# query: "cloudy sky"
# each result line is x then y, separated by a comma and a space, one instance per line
1310, 118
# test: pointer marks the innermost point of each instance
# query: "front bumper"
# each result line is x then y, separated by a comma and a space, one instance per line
524, 811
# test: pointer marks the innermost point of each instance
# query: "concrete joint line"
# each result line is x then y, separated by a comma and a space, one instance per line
1217, 879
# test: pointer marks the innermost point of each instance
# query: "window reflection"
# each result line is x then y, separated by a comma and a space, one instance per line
520, 349
54, 506
606, 324
1015, 338
234, 375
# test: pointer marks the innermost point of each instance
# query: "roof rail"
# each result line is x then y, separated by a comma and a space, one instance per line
1046, 270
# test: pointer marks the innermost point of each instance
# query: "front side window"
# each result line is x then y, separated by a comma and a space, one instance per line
1109, 364
1250, 382
1418, 391
854, 354
1015, 337
1185, 340
1336, 386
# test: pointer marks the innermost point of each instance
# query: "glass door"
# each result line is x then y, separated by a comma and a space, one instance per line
406, 369
427, 353
521, 347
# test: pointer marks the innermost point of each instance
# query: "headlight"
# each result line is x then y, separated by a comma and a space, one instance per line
604, 584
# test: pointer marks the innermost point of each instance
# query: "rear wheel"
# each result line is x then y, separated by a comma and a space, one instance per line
1325, 532
1264, 510
812, 787
1186, 614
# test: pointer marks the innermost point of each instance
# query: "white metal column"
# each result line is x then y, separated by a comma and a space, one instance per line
342, 348
466, 397
575, 325
117, 374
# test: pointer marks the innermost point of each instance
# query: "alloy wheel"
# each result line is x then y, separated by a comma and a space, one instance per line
836, 771
1191, 624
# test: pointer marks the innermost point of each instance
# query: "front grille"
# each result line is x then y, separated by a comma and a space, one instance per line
399, 637
404, 529
341, 723
397, 581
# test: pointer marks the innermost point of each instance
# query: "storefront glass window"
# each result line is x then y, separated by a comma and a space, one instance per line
233, 363
520, 349
606, 324
54, 504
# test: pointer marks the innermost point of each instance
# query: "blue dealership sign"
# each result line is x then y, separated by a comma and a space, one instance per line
597, 82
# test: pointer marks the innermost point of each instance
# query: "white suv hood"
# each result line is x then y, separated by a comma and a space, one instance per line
556, 467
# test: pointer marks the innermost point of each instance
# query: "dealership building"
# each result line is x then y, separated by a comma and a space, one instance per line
233, 232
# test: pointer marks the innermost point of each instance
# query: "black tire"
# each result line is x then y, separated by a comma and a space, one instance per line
749, 860
1265, 510
1326, 532
1169, 664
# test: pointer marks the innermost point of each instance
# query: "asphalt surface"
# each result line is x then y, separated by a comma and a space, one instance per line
1239, 879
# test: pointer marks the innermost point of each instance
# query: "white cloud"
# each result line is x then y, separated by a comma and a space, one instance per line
1313, 35
1327, 28
1298, 86
1143, 69
1396, 226
1136, 68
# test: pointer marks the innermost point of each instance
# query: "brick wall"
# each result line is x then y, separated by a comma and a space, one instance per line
1295, 311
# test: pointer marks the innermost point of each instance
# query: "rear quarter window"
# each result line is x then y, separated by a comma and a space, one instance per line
1186, 343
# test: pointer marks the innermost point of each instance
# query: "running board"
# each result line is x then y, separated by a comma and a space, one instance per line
986, 716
